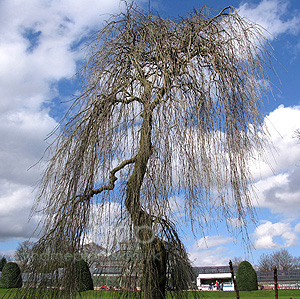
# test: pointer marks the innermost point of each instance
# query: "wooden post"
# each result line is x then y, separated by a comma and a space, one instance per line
275, 282
234, 282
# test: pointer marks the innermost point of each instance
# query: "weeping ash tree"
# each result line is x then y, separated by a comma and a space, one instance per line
167, 107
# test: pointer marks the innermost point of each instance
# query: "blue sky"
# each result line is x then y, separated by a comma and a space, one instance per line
41, 46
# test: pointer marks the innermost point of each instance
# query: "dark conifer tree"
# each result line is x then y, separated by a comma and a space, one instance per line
11, 276
246, 277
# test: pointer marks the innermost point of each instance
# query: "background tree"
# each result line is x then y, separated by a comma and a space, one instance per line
296, 262
24, 252
167, 107
237, 260
3, 261
11, 276
265, 262
246, 277
282, 259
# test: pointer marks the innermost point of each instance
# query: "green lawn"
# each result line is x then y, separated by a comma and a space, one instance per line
283, 294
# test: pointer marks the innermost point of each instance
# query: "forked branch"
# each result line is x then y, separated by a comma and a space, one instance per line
112, 180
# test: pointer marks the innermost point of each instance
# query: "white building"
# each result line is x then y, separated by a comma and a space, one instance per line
207, 281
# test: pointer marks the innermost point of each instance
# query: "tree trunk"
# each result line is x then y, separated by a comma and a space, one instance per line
155, 270
153, 249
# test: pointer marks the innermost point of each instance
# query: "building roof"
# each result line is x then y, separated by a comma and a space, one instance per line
213, 270
282, 275
214, 275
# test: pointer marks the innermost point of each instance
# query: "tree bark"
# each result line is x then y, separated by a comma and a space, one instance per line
153, 248
155, 270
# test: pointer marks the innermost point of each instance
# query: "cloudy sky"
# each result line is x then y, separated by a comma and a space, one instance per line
41, 47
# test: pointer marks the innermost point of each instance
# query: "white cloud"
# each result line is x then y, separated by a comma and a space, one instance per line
40, 44
15, 206
217, 257
265, 234
23, 134
277, 182
25, 75
209, 251
281, 193
272, 15
212, 241
297, 228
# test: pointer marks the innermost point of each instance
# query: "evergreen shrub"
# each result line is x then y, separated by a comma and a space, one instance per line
84, 281
11, 276
3, 261
246, 277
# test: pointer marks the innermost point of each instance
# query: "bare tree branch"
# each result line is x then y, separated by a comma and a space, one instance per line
112, 178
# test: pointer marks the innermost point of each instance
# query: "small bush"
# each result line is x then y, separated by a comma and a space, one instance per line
11, 276
3, 261
246, 277
84, 281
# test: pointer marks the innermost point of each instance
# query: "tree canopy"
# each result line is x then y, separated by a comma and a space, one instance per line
167, 108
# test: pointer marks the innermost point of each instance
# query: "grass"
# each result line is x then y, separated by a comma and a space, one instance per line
283, 294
